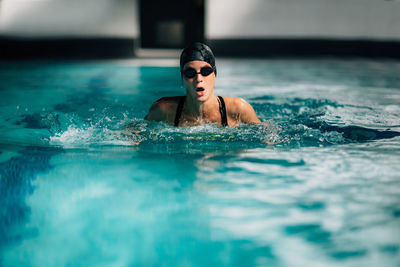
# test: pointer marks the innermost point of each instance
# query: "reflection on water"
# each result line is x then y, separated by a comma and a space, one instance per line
17, 175
246, 207
306, 202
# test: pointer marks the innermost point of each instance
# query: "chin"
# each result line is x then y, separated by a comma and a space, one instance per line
202, 98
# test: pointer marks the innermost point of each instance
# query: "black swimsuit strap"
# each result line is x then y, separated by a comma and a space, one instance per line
179, 110
222, 110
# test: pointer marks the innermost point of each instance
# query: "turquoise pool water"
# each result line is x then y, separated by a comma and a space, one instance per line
320, 187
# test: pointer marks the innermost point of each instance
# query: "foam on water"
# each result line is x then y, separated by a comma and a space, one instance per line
296, 122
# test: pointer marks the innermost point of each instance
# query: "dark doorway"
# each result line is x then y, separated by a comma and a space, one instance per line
171, 23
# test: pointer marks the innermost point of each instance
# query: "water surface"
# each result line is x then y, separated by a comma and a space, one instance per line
320, 187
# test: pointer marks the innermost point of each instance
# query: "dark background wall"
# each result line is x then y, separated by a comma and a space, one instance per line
116, 28
171, 24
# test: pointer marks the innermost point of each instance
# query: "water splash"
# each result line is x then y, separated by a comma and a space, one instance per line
89, 133
288, 122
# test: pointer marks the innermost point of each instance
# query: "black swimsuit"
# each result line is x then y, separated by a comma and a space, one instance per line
222, 110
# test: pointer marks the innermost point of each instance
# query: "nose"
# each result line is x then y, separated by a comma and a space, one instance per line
199, 77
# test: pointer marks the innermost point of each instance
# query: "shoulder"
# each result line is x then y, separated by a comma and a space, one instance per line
236, 104
163, 108
166, 103
241, 109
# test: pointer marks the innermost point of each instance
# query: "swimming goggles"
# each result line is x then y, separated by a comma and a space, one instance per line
190, 72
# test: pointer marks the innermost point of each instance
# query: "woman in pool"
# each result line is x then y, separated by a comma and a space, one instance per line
200, 105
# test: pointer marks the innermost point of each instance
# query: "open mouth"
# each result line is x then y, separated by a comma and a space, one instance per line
199, 89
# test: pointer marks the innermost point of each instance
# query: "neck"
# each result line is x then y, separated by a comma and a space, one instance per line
200, 109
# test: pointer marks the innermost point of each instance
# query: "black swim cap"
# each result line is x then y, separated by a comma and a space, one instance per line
198, 51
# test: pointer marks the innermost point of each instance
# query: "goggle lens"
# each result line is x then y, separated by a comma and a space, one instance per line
190, 73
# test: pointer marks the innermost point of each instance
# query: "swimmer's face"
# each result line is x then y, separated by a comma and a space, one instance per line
199, 87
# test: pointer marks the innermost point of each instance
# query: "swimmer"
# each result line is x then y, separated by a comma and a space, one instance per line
200, 105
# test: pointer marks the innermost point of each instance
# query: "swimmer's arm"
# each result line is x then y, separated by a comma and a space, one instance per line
246, 112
